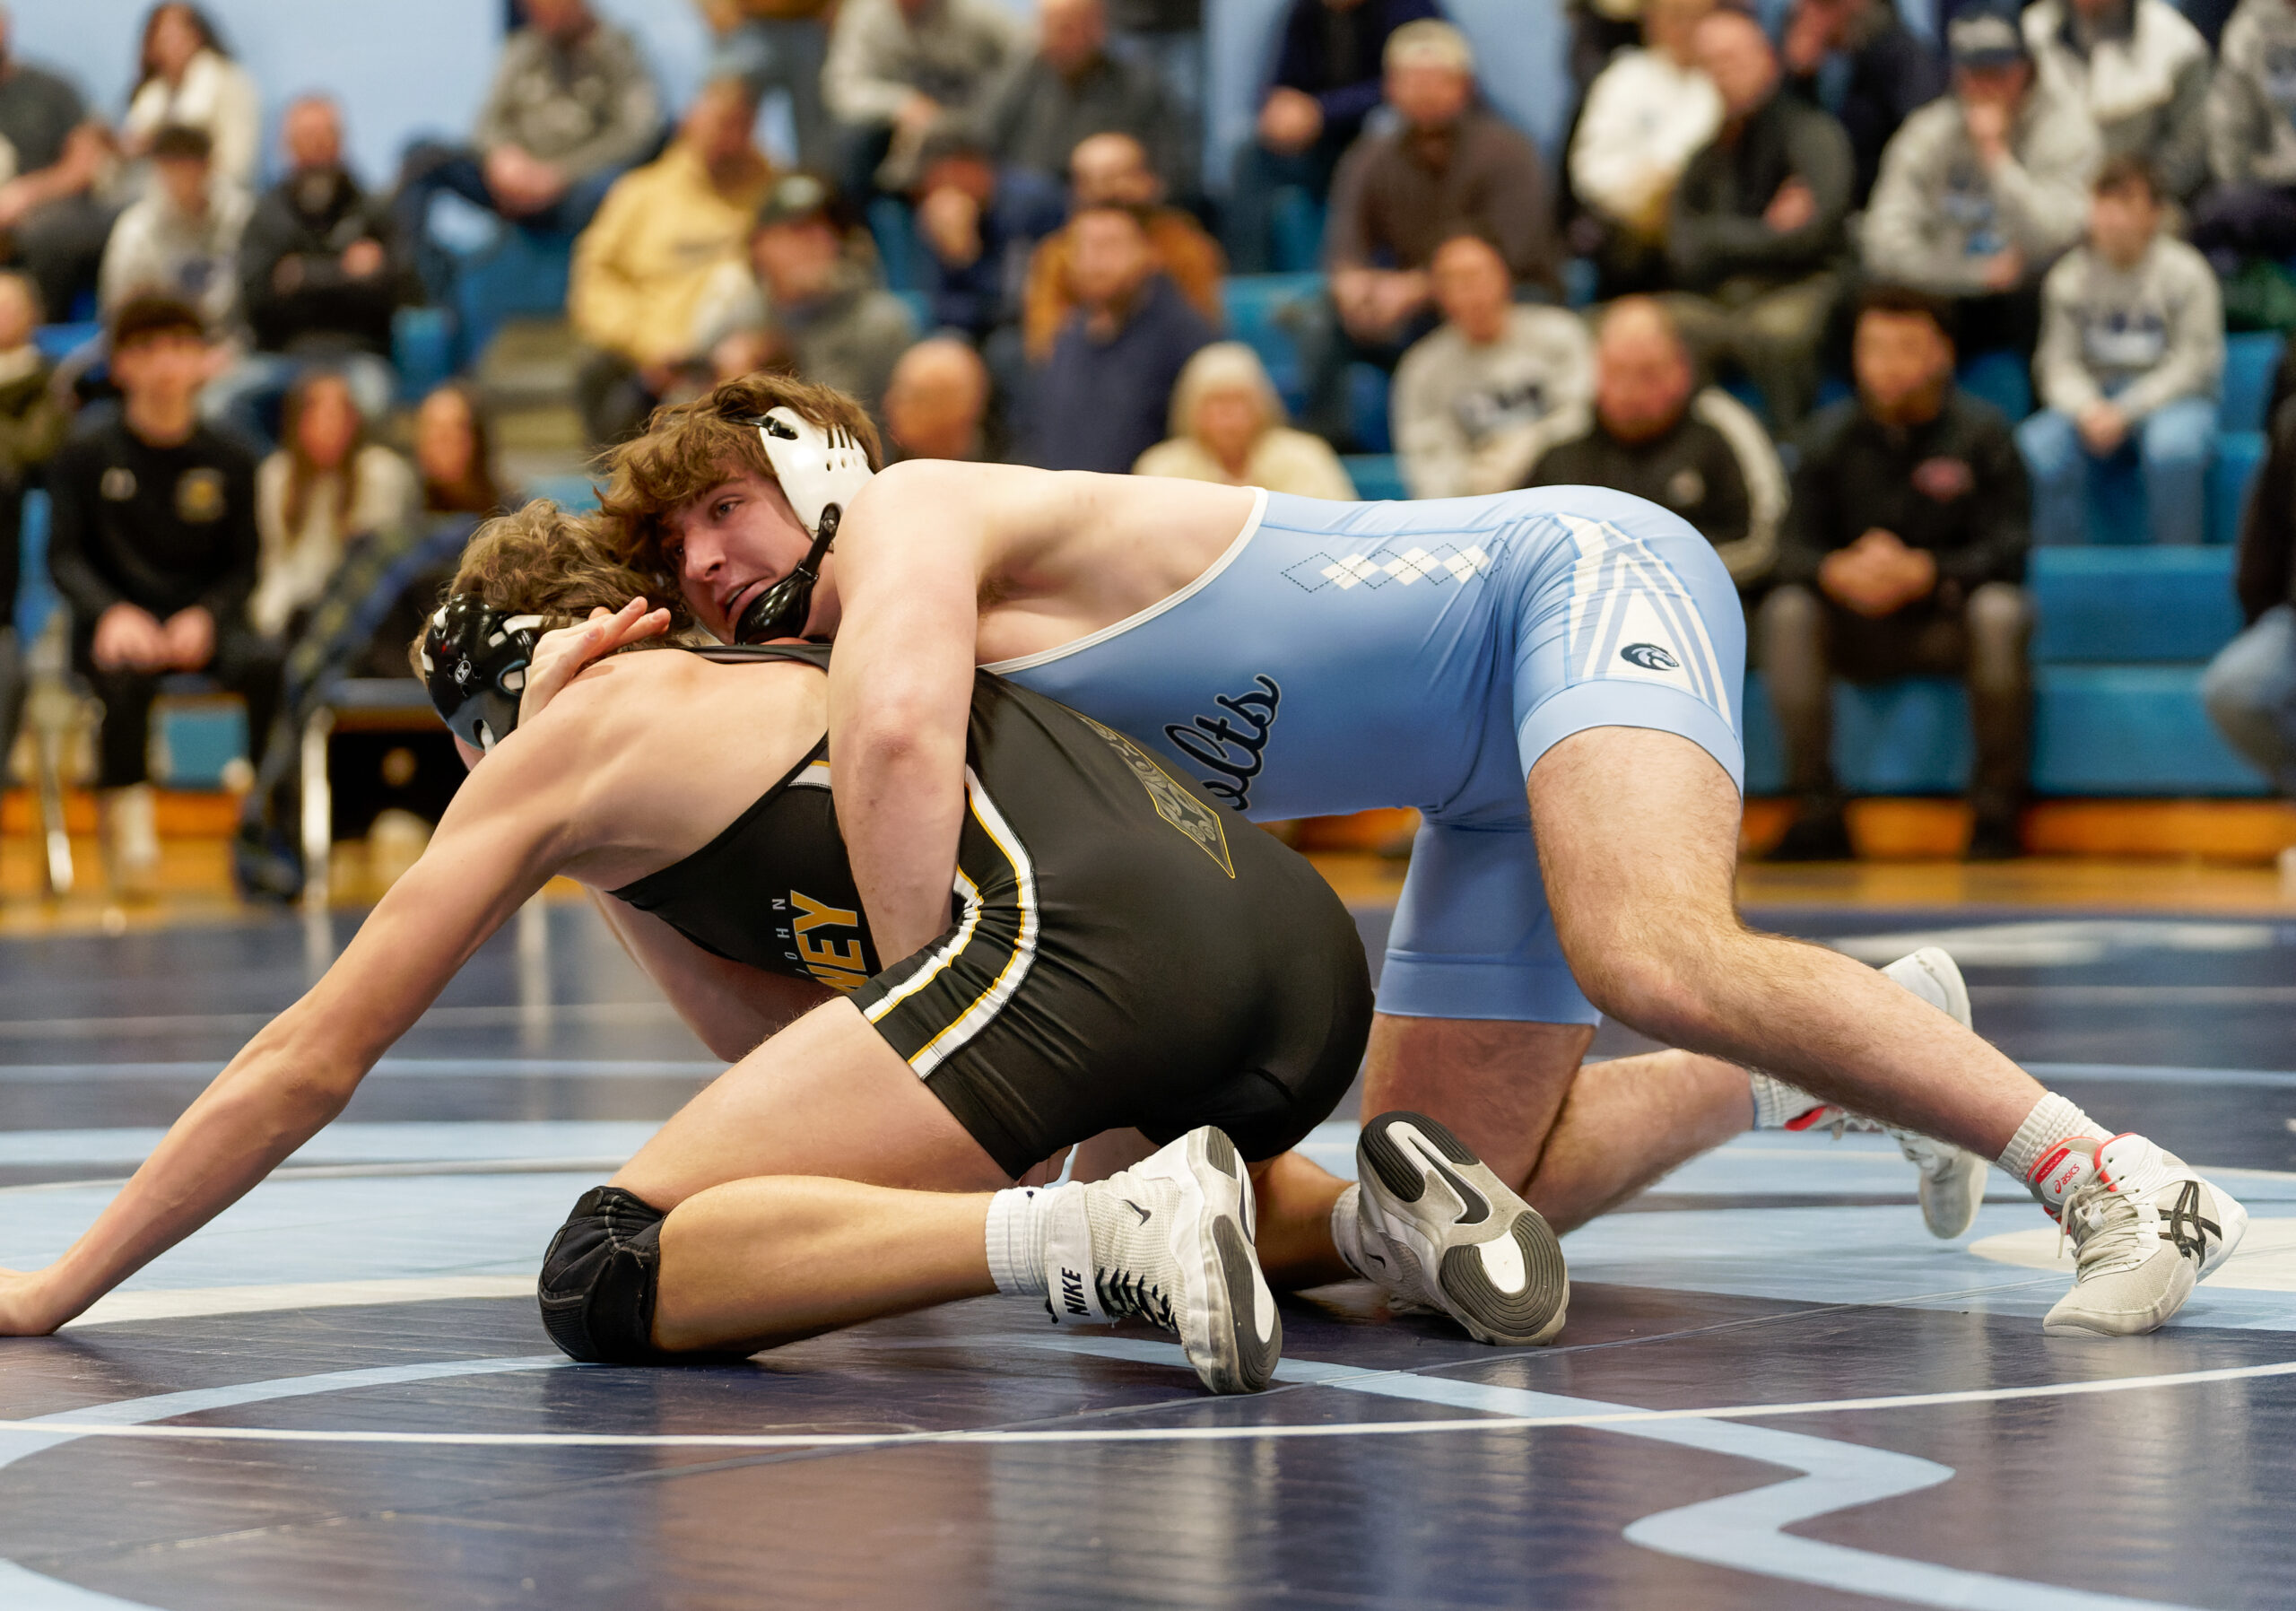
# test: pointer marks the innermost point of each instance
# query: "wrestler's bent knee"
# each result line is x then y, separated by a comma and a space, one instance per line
599, 1279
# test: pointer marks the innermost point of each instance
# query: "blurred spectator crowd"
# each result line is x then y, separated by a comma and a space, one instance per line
1749, 284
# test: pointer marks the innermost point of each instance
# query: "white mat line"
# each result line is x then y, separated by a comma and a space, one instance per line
446, 1017
182, 1303
368, 1171
1315, 1372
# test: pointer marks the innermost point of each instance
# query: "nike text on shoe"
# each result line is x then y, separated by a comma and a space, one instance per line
1450, 1234
1171, 1243
2145, 1230
1952, 1179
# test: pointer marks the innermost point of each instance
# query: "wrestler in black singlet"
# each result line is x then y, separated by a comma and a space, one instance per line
1120, 956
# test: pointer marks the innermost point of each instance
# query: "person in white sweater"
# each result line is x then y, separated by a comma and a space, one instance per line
2142, 70
2251, 140
1469, 396
2131, 351
325, 487
183, 238
1228, 426
1646, 114
184, 77
1983, 189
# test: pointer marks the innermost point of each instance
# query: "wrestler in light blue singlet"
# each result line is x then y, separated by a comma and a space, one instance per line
1344, 656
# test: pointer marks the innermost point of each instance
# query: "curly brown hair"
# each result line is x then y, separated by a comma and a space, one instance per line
690, 448
554, 562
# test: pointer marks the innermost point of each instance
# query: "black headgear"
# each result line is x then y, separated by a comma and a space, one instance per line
474, 660
821, 469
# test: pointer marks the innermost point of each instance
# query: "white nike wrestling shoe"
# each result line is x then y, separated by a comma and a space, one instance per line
2146, 1229
1952, 1179
1444, 1232
1172, 1244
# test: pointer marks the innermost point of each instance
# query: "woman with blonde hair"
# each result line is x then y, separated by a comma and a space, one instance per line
1229, 426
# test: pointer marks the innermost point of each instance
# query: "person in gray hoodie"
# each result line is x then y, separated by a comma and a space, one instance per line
2132, 349
2142, 70
1982, 190
2251, 140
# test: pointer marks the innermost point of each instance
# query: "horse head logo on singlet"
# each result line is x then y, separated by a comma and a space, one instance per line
1235, 752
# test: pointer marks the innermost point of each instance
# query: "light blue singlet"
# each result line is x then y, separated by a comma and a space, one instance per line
1344, 656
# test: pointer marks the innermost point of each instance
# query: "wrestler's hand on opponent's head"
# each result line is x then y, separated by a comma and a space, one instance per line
561, 655
27, 1306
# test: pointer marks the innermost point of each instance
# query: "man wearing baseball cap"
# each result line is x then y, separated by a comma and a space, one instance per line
1982, 190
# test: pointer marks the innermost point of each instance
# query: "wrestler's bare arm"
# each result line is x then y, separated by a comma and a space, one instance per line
944, 566
500, 840
731, 1007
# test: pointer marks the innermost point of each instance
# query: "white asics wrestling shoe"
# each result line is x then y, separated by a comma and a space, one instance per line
1952, 1180
1172, 1244
1443, 1230
2146, 1230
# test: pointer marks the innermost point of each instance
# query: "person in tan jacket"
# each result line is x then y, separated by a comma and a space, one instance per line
1229, 426
1113, 169
647, 261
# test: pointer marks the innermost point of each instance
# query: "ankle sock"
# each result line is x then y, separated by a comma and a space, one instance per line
1347, 1231
2053, 1122
1776, 1103
1017, 1223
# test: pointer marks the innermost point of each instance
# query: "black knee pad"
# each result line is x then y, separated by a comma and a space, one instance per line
599, 1277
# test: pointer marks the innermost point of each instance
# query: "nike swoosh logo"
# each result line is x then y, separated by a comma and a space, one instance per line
1144, 1215
1478, 1206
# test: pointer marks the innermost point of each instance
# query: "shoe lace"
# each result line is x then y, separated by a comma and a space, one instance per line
2111, 1240
1124, 1292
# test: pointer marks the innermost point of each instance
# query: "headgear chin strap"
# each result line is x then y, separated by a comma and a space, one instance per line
821, 469
474, 660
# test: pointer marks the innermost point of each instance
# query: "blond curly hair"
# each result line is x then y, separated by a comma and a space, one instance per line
559, 565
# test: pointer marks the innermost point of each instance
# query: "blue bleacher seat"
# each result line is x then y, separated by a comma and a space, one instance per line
36, 595
1739, 386
2240, 455
2002, 378
1255, 305
2130, 730
200, 740
1296, 230
920, 309
1910, 737
2133, 731
422, 350
1580, 282
1376, 477
2124, 635
522, 276
575, 492
57, 340
900, 253
2143, 605
2251, 360
1367, 407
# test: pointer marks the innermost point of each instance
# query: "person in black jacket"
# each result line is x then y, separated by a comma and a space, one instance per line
321, 273
1757, 223
1327, 81
1904, 552
152, 544
2250, 687
1858, 60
